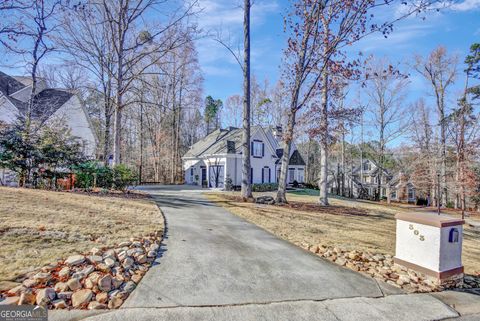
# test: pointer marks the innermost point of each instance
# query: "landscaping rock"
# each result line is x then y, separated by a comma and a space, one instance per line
67, 295
152, 254
61, 286
115, 302
45, 296
73, 284
94, 305
105, 283
81, 297
128, 262
102, 297
341, 261
95, 259
129, 286
64, 272
109, 262
29, 283
265, 200
60, 304
75, 260
16, 291
42, 277
27, 298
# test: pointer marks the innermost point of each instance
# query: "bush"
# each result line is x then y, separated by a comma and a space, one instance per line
228, 184
85, 174
311, 186
123, 177
450, 204
265, 187
295, 184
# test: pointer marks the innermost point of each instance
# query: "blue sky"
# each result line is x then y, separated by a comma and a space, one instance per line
456, 28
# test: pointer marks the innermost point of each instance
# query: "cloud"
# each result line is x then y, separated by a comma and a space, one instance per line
466, 5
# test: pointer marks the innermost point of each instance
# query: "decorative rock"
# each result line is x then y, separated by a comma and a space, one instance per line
45, 296
115, 302
154, 247
94, 305
64, 272
141, 259
42, 277
152, 254
129, 286
136, 278
128, 262
341, 261
73, 284
95, 259
67, 295
102, 297
103, 268
109, 262
105, 283
117, 282
81, 297
16, 291
11, 300
61, 286
29, 283
96, 251
60, 304
75, 260
136, 244
27, 298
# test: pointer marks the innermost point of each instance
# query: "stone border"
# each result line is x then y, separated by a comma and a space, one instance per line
100, 279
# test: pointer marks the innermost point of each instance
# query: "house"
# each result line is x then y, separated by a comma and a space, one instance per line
51, 105
362, 182
217, 158
402, 189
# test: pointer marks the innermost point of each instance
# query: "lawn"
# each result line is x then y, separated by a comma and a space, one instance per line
38, 227
347, 224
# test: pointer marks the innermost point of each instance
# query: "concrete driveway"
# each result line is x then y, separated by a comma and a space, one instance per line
214, 265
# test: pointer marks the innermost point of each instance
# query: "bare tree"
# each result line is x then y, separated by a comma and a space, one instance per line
440, 70
385, 87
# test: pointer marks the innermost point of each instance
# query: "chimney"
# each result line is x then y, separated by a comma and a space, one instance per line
278, 132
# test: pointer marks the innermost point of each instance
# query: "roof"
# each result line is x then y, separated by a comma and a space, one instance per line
295, 159
45, 103
9, 85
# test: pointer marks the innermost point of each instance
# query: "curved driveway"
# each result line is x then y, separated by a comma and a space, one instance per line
217, 266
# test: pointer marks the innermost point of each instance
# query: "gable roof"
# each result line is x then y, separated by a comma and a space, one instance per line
45, 103
9, 85
295, 159
220, 141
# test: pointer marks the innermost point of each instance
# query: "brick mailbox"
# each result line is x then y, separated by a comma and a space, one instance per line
430, 244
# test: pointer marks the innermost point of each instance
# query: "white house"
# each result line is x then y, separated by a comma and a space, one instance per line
218, 157
51, 106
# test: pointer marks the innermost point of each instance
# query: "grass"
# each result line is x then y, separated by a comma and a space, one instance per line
348, 224
38, 227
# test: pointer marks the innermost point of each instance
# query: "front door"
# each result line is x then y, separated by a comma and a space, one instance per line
204, 174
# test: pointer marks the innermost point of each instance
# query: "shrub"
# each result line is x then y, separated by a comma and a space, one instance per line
228, 184
450, 204
123, 177
265, 187
311, 186
295, 184
85, 174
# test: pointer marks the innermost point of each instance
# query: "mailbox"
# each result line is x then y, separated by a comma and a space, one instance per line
430, 244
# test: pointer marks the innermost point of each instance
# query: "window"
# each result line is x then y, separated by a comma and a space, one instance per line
191, 171
411, 193
367, 166
291, 175
257, 148
394, 194
384, 192
301, 176
266, 174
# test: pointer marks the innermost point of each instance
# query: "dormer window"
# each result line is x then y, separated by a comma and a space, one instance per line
258, 148
367, 166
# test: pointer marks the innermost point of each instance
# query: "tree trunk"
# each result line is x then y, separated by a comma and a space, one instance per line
323, 182
287, 144
246, 186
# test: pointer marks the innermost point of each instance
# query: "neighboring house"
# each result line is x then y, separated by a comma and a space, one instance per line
402, 189
50, 107
218, 157
362, 181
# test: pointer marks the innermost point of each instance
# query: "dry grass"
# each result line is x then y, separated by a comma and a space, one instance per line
38, 227
347, 224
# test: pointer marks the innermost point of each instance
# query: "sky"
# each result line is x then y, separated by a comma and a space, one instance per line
455, 28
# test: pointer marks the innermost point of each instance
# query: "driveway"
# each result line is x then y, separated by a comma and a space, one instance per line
214, 265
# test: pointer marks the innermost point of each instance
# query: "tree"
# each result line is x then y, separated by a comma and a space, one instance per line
212, 113
440, 70
385, 87
246, 185
233, 107
319, 31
